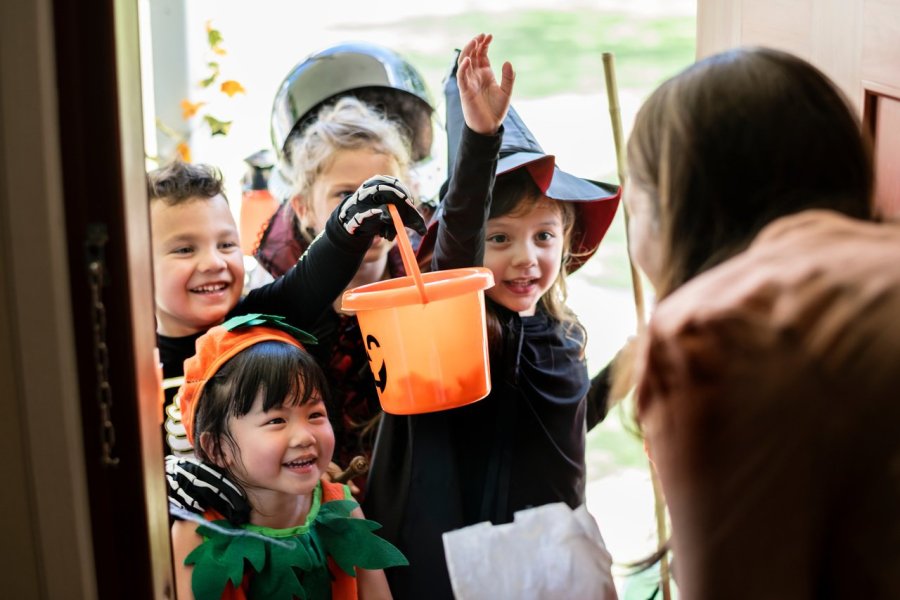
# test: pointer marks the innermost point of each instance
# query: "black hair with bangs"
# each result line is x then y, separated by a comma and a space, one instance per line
278, 370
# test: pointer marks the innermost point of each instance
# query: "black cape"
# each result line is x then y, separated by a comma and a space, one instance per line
521, 446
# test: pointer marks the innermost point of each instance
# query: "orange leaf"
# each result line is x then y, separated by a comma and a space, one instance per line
219, 50
189, 109
184, 152
232, 87
209, 26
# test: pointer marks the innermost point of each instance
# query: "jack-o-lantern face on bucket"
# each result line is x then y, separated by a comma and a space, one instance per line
376, 362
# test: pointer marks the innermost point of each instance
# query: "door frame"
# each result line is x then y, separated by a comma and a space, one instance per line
71, 158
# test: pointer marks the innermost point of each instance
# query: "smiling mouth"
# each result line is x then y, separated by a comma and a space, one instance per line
301, 463
211, 288
520, 285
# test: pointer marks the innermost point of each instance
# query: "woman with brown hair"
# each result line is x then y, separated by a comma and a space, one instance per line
729, 145
763, 380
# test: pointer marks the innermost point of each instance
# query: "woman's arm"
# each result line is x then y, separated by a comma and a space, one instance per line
184, 539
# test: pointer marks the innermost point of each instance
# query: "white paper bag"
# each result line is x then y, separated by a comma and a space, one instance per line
548, 552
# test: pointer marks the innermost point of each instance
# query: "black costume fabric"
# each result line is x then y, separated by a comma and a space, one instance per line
521, 446
301, 295
354, 408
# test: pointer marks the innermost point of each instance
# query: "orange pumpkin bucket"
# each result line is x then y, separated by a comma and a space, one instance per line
425, 334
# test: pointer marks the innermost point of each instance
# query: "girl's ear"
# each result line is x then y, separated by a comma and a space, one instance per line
305, 216
212, 449
301, 209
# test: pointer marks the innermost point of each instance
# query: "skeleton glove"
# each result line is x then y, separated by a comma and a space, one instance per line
196, 486
364, 213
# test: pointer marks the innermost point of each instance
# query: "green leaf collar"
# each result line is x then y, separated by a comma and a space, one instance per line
284, 564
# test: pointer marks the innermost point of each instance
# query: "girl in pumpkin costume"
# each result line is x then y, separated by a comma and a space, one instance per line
253, 405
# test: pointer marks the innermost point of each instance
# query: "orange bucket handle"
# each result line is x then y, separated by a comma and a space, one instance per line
406, 252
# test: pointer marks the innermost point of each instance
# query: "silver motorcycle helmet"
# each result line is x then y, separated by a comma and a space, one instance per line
374, 74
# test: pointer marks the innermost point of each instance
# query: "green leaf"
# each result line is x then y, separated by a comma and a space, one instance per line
214, 37
274, 321
252, 549
350, 541
209, 80
213, 75
285, 568
293, 565
277, 582
216, 126
241, 321
220, 558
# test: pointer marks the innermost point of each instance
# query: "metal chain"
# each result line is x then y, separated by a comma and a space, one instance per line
96, 243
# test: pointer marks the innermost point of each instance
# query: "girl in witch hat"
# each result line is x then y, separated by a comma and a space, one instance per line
523, 445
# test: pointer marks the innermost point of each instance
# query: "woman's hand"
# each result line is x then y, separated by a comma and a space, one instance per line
484, 101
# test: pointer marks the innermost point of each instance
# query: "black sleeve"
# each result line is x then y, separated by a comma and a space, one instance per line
598, 396
465, 208
310, 286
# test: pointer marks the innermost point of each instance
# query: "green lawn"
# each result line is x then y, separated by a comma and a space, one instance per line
559, 50
614, 444
612, 257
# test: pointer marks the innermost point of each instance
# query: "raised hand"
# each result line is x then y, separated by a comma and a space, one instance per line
364, 213
484, 101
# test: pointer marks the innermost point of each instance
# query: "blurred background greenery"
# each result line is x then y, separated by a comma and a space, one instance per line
557, 49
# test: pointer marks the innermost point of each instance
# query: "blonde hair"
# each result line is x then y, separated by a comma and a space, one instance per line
347, 125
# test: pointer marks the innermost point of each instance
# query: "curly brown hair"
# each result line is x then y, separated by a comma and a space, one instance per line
179, 181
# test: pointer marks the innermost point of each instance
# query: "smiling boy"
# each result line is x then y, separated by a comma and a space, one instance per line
198, 271
197, 264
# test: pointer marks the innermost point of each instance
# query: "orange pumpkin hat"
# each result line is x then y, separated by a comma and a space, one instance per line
220, 344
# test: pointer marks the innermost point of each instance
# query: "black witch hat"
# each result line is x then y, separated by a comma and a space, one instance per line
596, 202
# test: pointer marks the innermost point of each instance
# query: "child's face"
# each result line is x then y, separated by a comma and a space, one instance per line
285, 450
524, 251
198, 268
643, 231
346, 172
